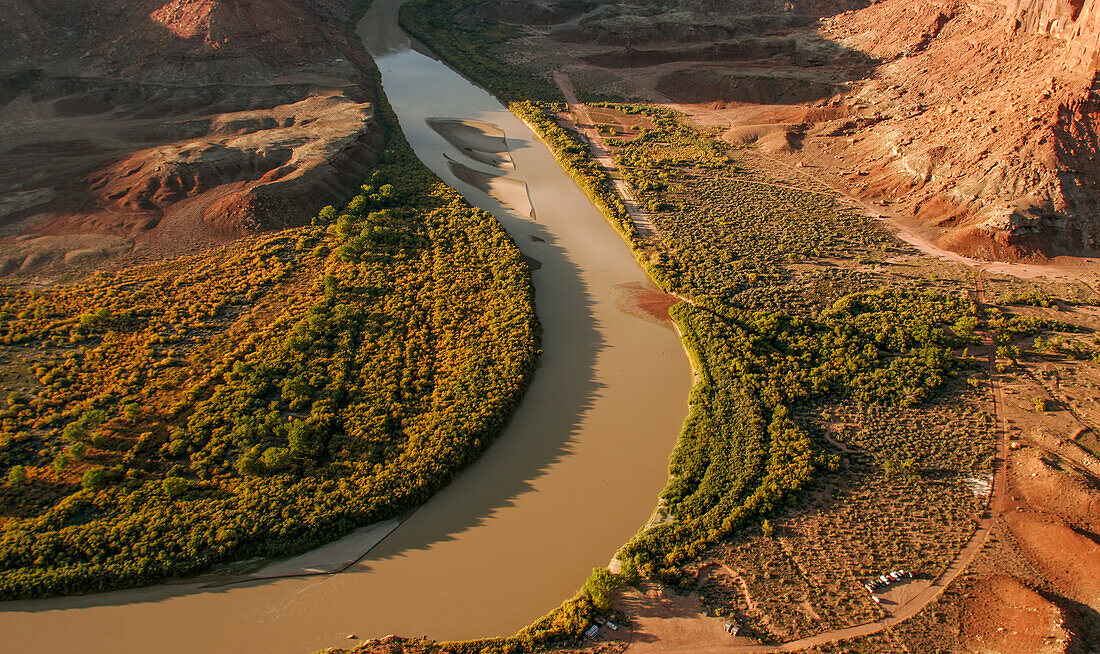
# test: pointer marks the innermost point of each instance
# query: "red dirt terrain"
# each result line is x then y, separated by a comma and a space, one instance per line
1036, 585
983, 122
150, 127
978, 120
1003, 615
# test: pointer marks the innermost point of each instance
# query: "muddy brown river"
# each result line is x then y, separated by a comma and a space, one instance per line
574, 475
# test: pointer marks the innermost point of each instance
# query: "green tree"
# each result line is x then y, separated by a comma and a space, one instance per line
299, 438
248, 464
60, 462
94, 479
600, 586
78, 429
76, 450
964, 327
17, 476
325, 216
332, 286
276, 459
175, 487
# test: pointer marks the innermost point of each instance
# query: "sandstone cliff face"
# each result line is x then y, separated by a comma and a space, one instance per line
984, 122
1074, 21
174, 124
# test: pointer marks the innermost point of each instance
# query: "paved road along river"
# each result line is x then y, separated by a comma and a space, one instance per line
575, 474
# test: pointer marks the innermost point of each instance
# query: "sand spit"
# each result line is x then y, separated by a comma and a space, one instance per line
334, 557
511, 192
481, 141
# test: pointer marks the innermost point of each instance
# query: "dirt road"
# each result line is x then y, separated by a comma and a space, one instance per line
602, 156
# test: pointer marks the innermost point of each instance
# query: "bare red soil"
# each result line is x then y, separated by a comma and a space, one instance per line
1003, 615
168, 125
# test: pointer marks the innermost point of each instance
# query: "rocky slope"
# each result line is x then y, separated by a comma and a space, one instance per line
984, 122
978, 120
152, 127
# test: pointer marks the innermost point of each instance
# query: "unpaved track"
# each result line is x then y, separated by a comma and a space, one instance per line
640, 218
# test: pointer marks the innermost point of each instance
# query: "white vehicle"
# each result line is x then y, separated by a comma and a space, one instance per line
592, 631
612, 626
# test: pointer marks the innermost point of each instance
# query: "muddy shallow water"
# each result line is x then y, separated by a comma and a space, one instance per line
574, 475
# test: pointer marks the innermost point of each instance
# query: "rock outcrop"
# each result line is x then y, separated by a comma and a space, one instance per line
174, 124
984, 122
1077, 22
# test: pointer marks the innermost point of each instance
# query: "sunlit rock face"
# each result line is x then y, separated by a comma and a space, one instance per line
173, 125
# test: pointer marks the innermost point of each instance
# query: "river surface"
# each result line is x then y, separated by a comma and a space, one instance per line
574, 475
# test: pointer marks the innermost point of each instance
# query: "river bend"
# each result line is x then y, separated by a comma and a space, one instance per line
574, 475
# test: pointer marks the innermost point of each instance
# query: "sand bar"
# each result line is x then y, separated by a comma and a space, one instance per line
481, 141
509, 191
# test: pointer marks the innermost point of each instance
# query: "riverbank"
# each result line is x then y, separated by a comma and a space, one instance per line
770, 266
488, 554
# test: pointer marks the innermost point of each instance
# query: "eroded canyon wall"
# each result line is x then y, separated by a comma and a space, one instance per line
153, 127
985, 121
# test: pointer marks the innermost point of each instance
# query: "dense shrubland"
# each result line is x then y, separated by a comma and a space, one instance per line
736, 238
788, 311
259, 399
741, 455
